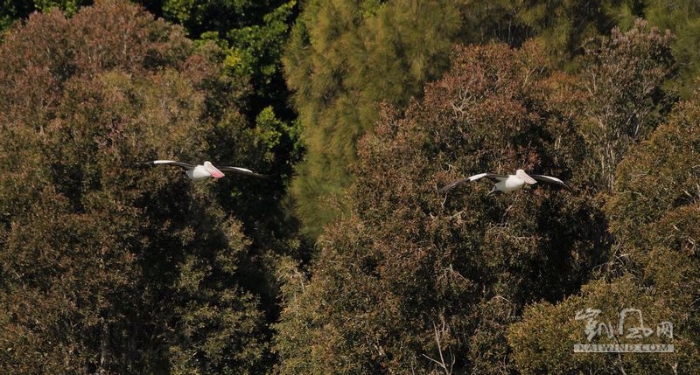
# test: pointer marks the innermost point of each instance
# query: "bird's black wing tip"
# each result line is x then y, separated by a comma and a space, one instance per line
450, 186
258, 175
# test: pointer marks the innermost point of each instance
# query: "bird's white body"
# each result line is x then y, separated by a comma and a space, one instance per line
198, 173
511, 183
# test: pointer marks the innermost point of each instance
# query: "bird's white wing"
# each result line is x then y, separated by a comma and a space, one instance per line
550, 180
242, 171
492, 176
169, 162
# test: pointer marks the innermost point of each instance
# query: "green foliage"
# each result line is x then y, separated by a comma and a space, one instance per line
564, 26
70, 7
343, 59
12, 10
252, 34
683, 19
497, 20
220, 16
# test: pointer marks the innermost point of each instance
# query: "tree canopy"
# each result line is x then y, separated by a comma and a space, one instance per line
104, 264
427, 276
348, 258
414, 281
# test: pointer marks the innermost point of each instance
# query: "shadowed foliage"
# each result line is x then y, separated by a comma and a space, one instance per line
413, 275
105, 265
654, 217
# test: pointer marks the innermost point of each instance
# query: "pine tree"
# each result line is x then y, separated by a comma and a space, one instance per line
564, 26
683, 19
343, 60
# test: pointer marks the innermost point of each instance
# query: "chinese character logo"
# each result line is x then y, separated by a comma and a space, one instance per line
630, 325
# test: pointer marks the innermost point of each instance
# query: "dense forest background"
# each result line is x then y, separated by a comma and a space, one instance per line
348, 260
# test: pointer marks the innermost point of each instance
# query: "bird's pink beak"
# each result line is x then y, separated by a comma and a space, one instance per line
214, 171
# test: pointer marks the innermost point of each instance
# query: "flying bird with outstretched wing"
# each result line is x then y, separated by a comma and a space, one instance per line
508, 183
205, 170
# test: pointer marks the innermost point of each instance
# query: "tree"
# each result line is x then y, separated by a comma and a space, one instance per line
624, 76
649, 209
543, 342
345, 57
683, 19
564, 26
653, 216
12, 10
252, 34
106, 266
414, 280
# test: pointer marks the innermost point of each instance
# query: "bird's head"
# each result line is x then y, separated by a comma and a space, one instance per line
214, 171
525, 177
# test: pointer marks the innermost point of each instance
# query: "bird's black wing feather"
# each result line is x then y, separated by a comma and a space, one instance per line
550, 180
242, 171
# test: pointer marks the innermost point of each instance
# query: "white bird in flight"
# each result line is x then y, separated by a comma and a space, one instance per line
206, 170
508, 183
